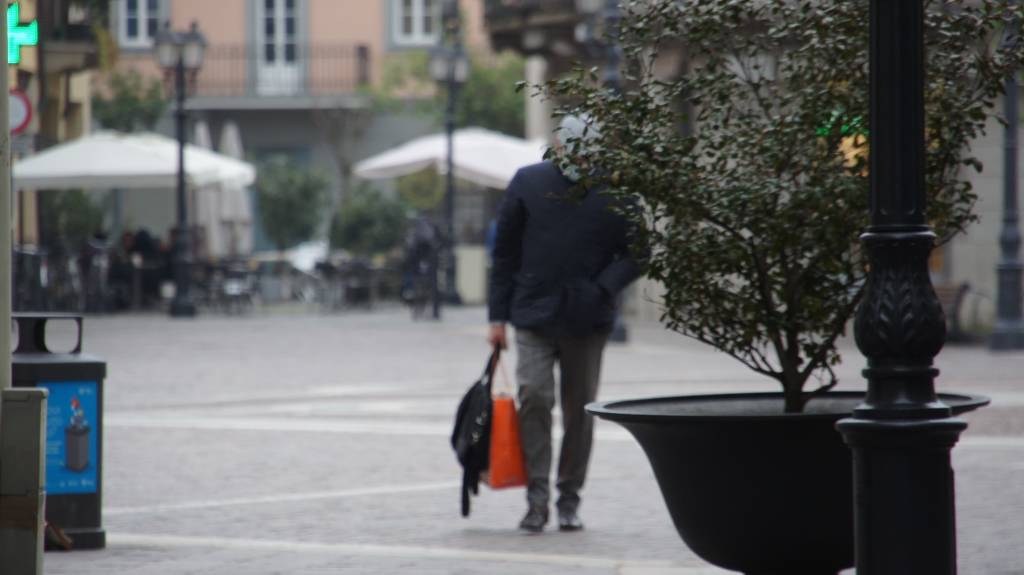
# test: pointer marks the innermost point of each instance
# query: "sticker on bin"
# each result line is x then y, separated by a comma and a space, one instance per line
71, 437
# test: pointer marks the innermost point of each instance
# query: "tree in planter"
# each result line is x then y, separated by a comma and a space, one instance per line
290, 200
368, 224
750, 219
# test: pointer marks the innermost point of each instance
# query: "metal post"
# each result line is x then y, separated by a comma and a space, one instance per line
1009, 329
451, 295
901, 436
613, 52
5, 229
181, 305
435, 290
613, 81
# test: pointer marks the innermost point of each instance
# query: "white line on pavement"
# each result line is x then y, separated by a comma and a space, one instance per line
992, 441
283, 498
276, 424
405, 551
337, 425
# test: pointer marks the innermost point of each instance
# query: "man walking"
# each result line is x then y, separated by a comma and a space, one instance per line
561, 255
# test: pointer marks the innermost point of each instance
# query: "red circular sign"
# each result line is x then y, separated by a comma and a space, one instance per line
20, 110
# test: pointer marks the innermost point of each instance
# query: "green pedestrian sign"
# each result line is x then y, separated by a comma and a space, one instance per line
19, 34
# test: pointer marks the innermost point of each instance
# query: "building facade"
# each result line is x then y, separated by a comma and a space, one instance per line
292, 77
56, 50
970, 259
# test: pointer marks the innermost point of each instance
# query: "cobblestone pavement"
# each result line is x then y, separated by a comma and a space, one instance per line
289, 444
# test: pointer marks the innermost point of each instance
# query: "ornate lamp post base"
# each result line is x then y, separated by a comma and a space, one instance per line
452, 298
902, 436
182, 307
1007, 336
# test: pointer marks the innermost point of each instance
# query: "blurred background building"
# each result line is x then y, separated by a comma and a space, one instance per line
327, 83
324, 83
55, 74
293, 77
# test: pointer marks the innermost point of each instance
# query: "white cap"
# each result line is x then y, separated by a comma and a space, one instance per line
576, 128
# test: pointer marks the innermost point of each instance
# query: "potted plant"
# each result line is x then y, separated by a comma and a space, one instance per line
738, 146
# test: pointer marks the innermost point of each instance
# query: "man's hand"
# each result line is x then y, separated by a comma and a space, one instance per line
496, 336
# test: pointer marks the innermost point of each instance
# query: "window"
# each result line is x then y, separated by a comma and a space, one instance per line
138, 22
277, 37
279, 31
415, 22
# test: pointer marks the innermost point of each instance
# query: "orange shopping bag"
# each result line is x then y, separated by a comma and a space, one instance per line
507, 468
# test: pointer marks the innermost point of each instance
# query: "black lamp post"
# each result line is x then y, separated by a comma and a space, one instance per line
178, 53
450, 67
902, 435
1009, 329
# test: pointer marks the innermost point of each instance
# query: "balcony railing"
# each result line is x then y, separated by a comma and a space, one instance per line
511, 10
70, 41
508, 21
299, 70
67, 21
498, 7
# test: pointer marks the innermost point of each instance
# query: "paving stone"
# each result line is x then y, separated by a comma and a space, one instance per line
292, 443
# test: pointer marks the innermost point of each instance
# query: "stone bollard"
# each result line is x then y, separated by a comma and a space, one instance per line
22, 480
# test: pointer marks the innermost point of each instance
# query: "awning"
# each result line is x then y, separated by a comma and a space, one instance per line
481, 156
111, 160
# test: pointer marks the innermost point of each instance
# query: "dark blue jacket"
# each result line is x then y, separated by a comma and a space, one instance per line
560, 256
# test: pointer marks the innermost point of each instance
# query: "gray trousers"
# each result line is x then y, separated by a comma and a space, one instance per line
579, 363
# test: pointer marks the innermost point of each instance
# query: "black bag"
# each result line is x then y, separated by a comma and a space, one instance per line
471, 437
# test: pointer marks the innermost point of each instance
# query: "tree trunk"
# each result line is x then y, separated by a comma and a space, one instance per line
794, 400
792, 385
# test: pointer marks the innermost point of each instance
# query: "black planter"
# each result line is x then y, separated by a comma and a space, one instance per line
748, 487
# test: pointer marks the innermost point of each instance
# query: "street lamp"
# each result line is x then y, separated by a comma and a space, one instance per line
178, 53
1009, 329
901, 436
450, 67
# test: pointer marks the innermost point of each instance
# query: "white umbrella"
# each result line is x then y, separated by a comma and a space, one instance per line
206, 203
231, 141
235, 200
201, 135
110, 160
227, 171
480, 156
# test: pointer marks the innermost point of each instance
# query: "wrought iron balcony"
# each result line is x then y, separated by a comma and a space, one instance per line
69, 33
498, 9
531, 25
292, 71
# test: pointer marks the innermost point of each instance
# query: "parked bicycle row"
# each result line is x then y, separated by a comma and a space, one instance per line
100, 280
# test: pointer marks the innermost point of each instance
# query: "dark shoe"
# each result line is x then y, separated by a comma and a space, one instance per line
569, 521
535, 520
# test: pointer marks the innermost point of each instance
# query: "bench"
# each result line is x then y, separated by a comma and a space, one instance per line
951, 298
